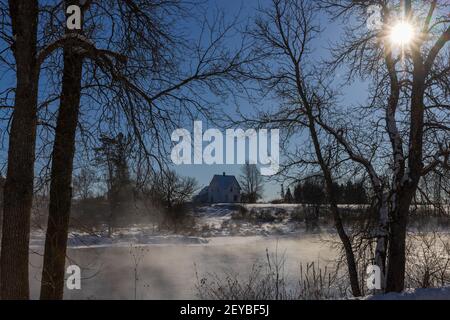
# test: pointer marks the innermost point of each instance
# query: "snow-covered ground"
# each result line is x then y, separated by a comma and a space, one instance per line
169, 263
415, 294
219, 220
211, 221
126, 237
225, 220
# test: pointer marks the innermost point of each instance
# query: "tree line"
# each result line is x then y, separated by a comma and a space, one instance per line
312, 191
111, 194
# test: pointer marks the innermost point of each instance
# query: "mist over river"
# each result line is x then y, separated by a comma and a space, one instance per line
168, 271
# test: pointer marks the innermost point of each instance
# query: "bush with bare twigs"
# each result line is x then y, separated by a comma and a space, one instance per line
268, 280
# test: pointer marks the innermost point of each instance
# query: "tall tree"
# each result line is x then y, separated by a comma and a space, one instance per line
18, 191
147, 88
410, 88
113, 154
29, 58
285, 31
52, 283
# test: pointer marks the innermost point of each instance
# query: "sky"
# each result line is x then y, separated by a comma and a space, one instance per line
355, 93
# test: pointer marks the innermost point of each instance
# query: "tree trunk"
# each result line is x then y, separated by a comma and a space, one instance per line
346, 242
18, 192
52, 285
395, 278
408, 184
382, 235
330, 193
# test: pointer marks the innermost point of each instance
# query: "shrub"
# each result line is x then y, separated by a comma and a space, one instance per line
268, 281
298, 214
428, 260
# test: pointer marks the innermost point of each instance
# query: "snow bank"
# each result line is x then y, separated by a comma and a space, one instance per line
415, 294
266, 219
91, 241
122, 238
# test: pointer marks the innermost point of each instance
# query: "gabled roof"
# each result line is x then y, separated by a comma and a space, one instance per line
203, 191
224, 181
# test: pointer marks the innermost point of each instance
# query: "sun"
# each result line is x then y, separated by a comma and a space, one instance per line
402, 33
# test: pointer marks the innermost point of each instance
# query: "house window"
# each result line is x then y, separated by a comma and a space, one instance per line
235, 198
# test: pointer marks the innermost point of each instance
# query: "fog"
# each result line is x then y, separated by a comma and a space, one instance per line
169, 271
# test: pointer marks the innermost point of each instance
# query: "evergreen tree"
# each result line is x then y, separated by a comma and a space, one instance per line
288, 198
113, 154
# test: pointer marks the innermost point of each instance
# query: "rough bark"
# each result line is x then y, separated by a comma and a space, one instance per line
18, 191
52, 285
409, 182
395, 278
398, 172
382, 235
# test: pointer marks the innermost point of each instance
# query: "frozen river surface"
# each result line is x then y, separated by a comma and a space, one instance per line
168, 271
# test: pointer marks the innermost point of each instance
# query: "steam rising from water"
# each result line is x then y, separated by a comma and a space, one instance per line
168, 271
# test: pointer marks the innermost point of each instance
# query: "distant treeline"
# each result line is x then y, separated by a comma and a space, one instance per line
312, 191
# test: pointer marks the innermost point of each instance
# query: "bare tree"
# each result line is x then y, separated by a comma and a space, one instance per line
21, 38
410, 88
18, 191
251, 183
146, 88
83, 183
61, 172
175, 190
284, 32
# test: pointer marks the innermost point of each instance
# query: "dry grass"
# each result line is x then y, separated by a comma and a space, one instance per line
268, 280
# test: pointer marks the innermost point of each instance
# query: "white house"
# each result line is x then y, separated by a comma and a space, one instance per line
221, 189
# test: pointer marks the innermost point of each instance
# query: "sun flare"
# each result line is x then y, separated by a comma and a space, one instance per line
402, 33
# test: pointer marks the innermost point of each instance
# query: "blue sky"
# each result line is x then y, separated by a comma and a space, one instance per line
355, 93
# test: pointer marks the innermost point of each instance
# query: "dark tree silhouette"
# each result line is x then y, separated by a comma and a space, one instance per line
251, 183
18, 190
284, 32
288, 198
